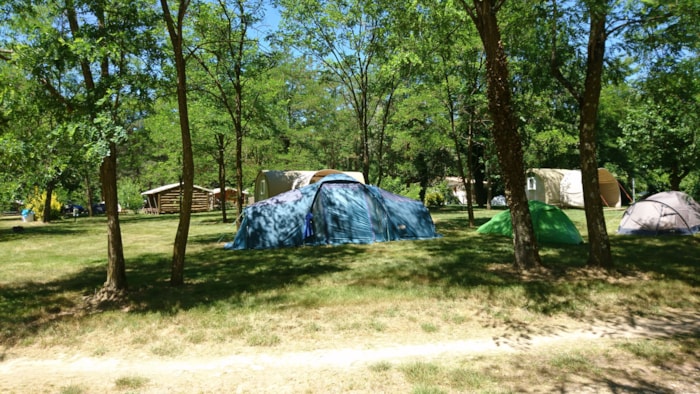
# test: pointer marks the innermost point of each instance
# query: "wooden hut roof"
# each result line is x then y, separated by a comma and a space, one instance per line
169, 187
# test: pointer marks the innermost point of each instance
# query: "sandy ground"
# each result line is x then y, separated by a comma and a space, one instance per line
341, 369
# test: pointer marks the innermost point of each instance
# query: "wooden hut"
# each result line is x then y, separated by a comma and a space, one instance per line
166, 199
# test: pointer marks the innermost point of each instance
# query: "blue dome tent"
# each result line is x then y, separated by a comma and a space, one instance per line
335, 210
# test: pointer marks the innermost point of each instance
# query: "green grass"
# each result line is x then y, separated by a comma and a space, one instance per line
130, 382
269, 298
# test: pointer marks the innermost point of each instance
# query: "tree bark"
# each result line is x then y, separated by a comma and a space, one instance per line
221, 161
599, 242
46, 217
505, 132
177, 274
116, 269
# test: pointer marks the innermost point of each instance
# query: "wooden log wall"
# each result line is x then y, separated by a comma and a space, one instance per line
169, 201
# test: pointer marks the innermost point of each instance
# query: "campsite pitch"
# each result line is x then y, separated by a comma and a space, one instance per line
445, 315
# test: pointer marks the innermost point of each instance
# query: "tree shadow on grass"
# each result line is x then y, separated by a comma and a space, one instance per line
216, 274
31, 231
211, 276
460, 260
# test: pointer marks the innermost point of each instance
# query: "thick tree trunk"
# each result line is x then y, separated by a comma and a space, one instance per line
599, 242
505, 133
116, 267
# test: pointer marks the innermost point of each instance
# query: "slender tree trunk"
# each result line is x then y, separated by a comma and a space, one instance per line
116, 269
239, 174
238, 118
599, 242
466, 178
505, 132
221, 160
89, 192
177, 275
46, 217
238, 124
470, 170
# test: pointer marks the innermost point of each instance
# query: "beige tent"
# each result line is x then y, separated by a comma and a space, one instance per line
565, 189
272, 182
544, 184
571, 189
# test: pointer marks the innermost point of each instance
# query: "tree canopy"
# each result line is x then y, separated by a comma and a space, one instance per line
395, 90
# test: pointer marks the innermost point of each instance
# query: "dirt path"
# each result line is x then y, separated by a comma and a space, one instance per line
341, 369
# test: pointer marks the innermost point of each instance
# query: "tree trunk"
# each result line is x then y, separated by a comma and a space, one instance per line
505, 133
46, 216
177, 274
116, 267
89, 193
470, 170
239, 174
238, 118
221, 161
599, 242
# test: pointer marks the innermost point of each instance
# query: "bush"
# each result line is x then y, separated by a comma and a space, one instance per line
129, 195
36, 201
434, 199
397, 186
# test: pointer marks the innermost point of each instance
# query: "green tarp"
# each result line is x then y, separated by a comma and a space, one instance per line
550, 223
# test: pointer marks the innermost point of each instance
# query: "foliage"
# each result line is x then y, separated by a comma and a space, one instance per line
660, 129
130, 195
36, 202
397, 186
434, 198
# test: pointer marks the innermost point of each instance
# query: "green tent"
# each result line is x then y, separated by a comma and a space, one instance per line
551, 224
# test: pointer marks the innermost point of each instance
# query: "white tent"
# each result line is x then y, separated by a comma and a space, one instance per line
544, 184
564, 188
571, 189
273, 182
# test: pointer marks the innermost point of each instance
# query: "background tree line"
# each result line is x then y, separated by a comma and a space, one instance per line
396, 90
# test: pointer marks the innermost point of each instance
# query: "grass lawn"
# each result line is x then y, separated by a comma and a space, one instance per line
352, 296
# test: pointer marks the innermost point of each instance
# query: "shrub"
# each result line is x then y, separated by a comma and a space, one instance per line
36, 201
130, 195
434, 199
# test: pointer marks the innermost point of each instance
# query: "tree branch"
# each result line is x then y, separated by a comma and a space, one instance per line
554, 66
5, 54
56, 94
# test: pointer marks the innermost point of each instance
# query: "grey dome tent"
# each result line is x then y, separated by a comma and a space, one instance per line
338, 209
666, 213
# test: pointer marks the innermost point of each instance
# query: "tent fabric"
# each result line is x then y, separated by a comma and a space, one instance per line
499, 201
571, 189
666, 213
336, 210
270, 183
550, 224
564, 188
544, 184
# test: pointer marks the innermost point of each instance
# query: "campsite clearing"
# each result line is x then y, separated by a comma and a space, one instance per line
443, 315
